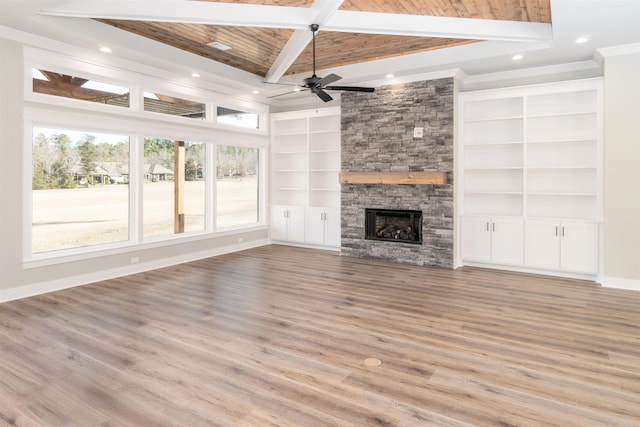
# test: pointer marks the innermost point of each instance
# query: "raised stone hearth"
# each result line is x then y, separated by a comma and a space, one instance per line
377, 136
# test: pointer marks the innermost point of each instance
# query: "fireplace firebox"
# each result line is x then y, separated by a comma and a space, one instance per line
393, 225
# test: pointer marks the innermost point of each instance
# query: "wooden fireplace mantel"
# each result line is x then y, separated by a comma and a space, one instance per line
434, 178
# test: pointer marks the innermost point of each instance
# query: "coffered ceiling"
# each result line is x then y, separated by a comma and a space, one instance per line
270, 38
255, 49
360, 40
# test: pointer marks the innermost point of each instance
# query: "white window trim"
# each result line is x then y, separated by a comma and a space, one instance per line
137, 130
137, 83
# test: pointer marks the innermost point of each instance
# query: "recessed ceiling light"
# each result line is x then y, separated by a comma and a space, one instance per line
255, 92
218, 45
105, 49
389, 76
582, 39
196, 75
517, 57
297, 89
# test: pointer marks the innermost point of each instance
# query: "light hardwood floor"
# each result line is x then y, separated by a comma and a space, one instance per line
277, 336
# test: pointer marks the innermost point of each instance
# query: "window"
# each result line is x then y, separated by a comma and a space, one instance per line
165, 104
80, 192
233, 117
113, 170
174, 187
51, 83
236, 186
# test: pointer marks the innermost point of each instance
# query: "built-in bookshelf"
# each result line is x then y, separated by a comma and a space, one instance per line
305, 164
531, 154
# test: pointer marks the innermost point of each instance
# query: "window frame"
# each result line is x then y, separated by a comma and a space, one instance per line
44, 110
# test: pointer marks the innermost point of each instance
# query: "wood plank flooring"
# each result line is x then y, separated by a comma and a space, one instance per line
277, 336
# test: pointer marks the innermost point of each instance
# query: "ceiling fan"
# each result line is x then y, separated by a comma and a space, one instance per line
319, 85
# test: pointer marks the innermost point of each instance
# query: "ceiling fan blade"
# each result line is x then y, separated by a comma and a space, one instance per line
280, 84
287, 93
328, 80
351, 88
323, 95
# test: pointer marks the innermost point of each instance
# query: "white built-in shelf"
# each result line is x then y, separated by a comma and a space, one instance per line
489, 168
305, 162
561, 194
495, 119
508, 193
577, 113
532, 155
531, 151
480, 144
561, 167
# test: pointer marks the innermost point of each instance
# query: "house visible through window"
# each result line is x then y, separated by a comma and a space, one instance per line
80, 192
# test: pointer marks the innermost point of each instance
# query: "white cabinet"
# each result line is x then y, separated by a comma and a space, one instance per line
305, 165
533, 153
570, 246
323, 226
287, 223
495, 240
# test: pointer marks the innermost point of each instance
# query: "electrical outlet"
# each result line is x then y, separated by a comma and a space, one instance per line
418, 132
134, 260
240, 239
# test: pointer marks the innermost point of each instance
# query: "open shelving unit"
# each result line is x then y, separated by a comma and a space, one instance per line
529, 155
305, 164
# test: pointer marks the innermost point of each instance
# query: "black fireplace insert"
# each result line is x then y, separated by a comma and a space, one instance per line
393, 225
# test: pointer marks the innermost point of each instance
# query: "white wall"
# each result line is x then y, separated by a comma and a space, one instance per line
622, 168
16, 280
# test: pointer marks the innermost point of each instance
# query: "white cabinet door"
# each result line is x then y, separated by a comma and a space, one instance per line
579, 247
332, 227
475, 244
296, 221
507, 241
542, 244
279, 222
323, 226
287, 223
315, 226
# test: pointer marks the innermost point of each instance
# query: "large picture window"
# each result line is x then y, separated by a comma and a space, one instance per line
80, 192
174, 187
236, 186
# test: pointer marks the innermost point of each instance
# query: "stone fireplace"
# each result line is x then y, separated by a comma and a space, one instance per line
378, 136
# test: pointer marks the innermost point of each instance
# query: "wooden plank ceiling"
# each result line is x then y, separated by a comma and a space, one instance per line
255, 49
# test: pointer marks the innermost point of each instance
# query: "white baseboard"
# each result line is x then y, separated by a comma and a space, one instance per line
73, 281
530, 270
620, 283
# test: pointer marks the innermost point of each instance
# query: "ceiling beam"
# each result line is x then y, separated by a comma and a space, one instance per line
193, 12
323, 9
322, 12
438, 26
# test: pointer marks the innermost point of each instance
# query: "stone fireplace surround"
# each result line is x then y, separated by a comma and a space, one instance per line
377, 136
